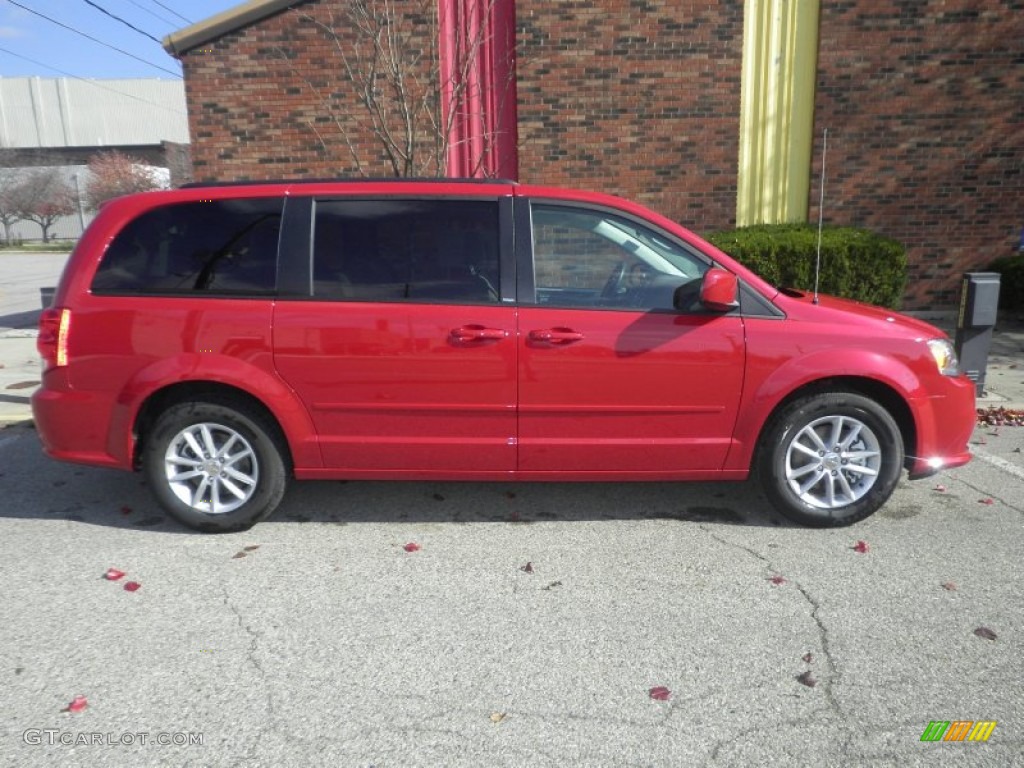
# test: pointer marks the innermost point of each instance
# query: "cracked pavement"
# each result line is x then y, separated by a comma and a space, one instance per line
326, 643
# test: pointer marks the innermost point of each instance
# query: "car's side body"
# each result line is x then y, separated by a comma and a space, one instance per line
502, 367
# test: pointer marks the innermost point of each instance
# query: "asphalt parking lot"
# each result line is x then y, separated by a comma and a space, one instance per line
530, 625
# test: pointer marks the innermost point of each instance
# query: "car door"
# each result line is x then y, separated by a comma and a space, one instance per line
613, 379
402, 348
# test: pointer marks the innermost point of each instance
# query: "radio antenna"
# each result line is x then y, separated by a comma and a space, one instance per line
821, 213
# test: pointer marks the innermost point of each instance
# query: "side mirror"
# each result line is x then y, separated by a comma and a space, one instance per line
719, 290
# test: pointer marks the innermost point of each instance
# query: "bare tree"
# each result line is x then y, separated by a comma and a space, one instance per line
8, 211
405, 97
113, 174
42, 196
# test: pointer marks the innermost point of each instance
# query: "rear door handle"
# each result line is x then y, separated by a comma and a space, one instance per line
472, 333
556, 336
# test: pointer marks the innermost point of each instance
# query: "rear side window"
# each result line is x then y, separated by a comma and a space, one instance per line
406, 250
220, 247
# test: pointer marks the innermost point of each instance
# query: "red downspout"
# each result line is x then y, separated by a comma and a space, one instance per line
478, 87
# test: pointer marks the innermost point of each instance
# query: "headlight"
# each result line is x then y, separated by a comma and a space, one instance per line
945, 356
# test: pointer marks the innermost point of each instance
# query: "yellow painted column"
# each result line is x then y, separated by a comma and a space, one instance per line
780, 63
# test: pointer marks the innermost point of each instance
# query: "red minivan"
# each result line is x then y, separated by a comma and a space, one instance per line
224, 339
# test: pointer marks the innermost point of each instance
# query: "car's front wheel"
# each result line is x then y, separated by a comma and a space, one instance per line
215, 467
831, 459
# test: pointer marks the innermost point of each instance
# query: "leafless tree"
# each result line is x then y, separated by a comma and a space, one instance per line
8, 212
388, 51
42, 196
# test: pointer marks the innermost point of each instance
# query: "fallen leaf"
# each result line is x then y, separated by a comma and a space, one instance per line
528, 568
126, 510
808, 657
949, 586
552, 585
77, 704
807, 679
862, 547
411, 547
497, 717
777, 579
660, 693
251, 548
988, 501
113, 574
514, 517
238, 555
510, 494
940, 488
438, 497
132, 586
985, 633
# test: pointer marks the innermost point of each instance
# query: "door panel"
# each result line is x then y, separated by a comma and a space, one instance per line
391, 387
637, 392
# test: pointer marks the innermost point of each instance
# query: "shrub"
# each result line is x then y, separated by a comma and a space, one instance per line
1011, 281
855, 264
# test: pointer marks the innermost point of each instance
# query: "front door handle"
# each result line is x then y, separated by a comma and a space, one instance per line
472, 333
559, 336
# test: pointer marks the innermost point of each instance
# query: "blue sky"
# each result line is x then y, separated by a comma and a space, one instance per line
31, 45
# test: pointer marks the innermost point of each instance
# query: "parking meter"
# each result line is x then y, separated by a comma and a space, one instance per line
979, 301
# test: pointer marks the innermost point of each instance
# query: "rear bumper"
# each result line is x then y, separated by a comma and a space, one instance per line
945, 422
75, 426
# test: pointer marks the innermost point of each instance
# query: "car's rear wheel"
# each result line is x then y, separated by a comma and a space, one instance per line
215, 466
831, 459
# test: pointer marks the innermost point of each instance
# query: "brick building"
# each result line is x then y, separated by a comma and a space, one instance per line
710, 112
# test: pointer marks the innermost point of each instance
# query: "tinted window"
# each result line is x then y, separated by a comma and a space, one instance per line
216, 247
406, 250
586, 258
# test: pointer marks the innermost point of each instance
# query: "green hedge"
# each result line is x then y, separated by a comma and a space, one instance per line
1011, 281
855, 263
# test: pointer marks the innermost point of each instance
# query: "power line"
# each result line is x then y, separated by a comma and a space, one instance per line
92, 82
187, 21
128, 24
155, 15
90, 37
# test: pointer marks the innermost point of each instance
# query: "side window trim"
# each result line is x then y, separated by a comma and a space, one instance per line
295, 252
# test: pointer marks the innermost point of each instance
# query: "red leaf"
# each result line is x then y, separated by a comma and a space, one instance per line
126, 510
113, 574
807, 679
514, 517
777, 579
862, 547
940, 488
808, 657
528, 568
660, 693
985, 633
986, 501
949, 586
77, 704
132, 586
411, 547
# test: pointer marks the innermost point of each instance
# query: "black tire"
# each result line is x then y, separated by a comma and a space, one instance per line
844, 481
247, 465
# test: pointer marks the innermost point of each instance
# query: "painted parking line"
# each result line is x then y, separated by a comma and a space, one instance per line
998, 462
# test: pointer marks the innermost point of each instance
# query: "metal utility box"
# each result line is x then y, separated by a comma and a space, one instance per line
979, 303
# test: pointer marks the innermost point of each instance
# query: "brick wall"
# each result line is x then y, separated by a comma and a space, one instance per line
924, 102
272, 100
638, 98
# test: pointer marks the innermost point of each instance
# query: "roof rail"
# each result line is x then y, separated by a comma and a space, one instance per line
351, 180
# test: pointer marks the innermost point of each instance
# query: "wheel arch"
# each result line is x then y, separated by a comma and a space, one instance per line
883, 394
209, 392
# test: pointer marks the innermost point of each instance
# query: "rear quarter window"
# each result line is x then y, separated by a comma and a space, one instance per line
220, 247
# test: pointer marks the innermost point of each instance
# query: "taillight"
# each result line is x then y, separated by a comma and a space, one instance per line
53, 337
